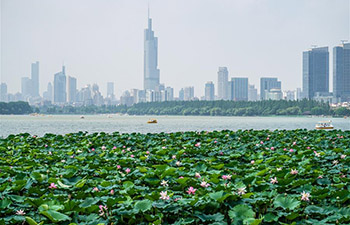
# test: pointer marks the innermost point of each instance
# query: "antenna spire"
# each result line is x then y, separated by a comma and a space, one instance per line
148, 10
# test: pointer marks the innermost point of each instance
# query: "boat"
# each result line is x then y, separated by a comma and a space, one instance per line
82, 117
324, 125
152, 121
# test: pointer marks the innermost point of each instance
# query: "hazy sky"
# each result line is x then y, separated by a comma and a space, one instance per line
102, 40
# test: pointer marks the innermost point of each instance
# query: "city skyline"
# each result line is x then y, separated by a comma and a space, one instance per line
177, 71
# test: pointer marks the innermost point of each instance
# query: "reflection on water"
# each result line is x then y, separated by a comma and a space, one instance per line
62, 124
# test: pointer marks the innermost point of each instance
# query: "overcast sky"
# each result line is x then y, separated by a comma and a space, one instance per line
102, 40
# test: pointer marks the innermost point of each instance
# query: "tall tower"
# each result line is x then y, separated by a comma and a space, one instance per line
59, 87
150, 72
222, 83
266, 84
341, 73
315, 72
35, 79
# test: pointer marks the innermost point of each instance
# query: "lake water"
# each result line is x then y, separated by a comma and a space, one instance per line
62, 124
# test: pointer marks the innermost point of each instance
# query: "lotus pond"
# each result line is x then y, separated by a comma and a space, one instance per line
226, 177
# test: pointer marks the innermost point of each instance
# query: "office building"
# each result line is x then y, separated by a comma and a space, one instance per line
3, 92
266, 84
151, 72
169, 93
274, 94
59, 87
35, 79
299, 94
181, 95
110, 90
341, 73
209, 91
72, 89
238, 89
289, 95
315, 72
188, 93
222, 83
26, 87
47, 95
252, 93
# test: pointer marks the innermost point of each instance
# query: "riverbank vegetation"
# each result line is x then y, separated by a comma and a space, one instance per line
226, 177
16, 108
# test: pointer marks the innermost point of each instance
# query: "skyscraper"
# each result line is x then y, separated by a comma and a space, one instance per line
72, 89
209, 91
222, 83
266, 84
341, 73
188, 93
59, 87
48, 94
151, 72
238, 89
3, 92
26, 87
169, 93
315, 72
110, 90
35, 79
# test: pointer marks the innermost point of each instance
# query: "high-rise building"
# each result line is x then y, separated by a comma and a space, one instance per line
35, 79
169, 93
110, 90
48, 93
182, 94
26, 87
341, 73
238, 89
315, 72
222, 83
72, 89
59, 87
3, 92
151, 72
209, 91
266, 84
252, 93
289, 95
188, 93
274, 94
299, 94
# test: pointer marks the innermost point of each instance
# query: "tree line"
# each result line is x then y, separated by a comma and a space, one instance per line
190, 108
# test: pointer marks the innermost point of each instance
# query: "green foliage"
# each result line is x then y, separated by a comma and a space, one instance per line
16, 108
229, 172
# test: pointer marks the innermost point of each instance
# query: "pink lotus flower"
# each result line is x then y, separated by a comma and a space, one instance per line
118, 167
164, 183
123, 151
335, 162
284, 149
267, 138
164, 195
102, 209
124, 146
226, 177
20, 212
114, 147
294, 143
272, 148
308, 147
103, 147
112, 192
198, 144
191, 190
147, 152
274, 180
215, 142
92, 149
205, 184
163, 147
294, 172
46, 146
291, 150
132, 156
342, 156
50, 153
197, 175
52, 186
173, 157
256, 145
261, 142
95, 189
127, 170
317, 154
252, 162
305, 196
177, 199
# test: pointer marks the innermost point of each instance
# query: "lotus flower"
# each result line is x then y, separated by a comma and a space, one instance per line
114, 147
132, 156
92, 149
181, 177
279, 169
305, 196
163, 147
241, 191
294, 172
320, 177
103, 147
53, 186
226, 177
261, 142
205, 184
197, 175
178, 163
95, 189
147, 152
317, 154
164, 195
118, 167
127, 170
164, 183
20, 212
252, 162
291, 150
198, 144
274, 180
102, 208
335, 162
342, 156
112, 192
191, 190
